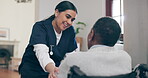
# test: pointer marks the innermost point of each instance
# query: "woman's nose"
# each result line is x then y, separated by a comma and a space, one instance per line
69, 21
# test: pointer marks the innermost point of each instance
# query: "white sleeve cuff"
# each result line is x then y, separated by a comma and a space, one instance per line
42, 55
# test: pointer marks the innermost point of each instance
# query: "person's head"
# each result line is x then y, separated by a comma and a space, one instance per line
65, 13
106, 31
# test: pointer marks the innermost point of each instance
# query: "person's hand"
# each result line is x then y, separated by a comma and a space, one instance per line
56, 70
54, 74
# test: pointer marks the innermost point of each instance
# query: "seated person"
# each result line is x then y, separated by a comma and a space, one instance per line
102, 59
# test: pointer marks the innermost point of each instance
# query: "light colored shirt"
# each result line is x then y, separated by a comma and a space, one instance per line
43, 55
98, 61
58, 36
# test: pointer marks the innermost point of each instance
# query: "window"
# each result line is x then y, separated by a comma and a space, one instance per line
117, 12
114, 8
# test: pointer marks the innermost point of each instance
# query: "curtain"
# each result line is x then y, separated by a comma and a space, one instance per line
109, 7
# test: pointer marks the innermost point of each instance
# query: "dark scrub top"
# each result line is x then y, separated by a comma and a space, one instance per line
43, 33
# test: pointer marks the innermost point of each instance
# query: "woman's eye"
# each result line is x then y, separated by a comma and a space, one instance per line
68, 16
72, 19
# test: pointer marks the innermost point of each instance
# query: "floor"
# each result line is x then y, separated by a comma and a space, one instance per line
5, 73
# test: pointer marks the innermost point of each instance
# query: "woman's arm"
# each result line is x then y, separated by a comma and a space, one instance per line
41, 52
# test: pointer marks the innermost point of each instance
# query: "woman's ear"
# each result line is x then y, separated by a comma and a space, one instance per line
56, 12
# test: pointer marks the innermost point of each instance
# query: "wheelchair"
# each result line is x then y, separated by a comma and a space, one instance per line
140, 71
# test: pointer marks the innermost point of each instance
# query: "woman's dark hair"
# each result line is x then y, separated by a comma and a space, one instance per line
65, 5
108, 30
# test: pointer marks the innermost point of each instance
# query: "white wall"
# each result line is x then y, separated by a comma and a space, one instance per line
19, 18
46, 8
136, 30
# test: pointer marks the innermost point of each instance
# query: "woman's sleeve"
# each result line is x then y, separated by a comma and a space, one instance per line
41, 52
38, 35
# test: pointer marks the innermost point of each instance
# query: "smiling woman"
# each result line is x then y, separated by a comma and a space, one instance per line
50, 40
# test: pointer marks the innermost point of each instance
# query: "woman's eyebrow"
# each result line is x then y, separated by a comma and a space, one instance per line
69, 15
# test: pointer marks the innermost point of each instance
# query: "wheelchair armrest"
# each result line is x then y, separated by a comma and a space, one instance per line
143, 67
76, 71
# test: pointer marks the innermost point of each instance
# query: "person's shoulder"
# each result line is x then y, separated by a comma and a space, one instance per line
75, 54
123, 53
119, 46
70, 29
38, 23
44, 21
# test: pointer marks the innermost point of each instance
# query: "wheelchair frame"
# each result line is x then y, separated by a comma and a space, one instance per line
75, 72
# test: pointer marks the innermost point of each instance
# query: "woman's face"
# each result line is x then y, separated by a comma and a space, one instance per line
65, 19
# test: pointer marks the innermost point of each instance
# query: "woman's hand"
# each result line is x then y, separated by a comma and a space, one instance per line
54, 74
53, 71
56, 70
